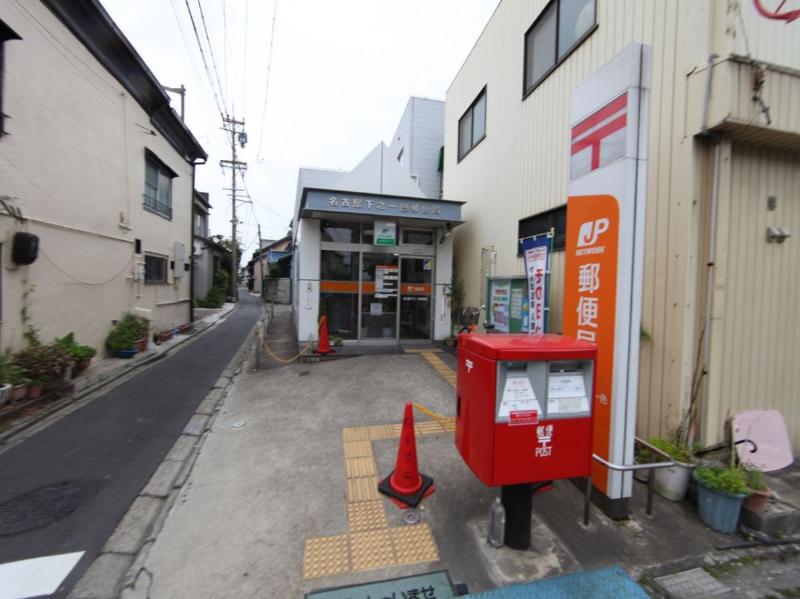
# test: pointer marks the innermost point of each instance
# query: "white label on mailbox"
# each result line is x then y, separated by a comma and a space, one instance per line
566, 394
518, 396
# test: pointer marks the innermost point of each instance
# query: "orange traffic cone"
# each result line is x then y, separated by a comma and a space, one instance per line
324, 345
405, 485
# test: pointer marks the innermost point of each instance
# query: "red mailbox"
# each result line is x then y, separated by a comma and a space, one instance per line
524, 411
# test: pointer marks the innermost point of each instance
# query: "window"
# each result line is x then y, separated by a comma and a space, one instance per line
340, 232
155, 269
417, 237
338, 266
472, 125
158, 186
200, 225
6, 34
560, 28
537, 224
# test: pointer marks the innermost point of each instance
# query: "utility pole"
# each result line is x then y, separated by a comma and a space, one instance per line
260, 263
236, 129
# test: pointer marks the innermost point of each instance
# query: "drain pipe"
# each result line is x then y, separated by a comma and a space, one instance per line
712, 249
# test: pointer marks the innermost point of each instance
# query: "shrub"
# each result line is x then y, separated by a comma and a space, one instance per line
676, 451
126, 332
755, 479
731, 480
43, 363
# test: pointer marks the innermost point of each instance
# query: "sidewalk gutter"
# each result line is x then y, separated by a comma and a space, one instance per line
120, 563
110, 377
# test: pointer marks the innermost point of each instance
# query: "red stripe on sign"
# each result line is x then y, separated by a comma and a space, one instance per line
598, 117
597, 136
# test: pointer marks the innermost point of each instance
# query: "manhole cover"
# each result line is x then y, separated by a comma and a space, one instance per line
43, 506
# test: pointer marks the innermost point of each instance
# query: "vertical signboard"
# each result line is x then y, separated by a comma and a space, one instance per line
500, 304
535, 254
603, 254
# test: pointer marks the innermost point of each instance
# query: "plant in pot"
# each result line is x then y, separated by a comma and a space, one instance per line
673, 482
44, 364
760, 493
642, 455
720, 493
20, 381
138, 327
121, 341
83, 355
5, 380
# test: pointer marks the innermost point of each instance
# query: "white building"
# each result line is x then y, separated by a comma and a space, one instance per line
372, 246
722, 189
101, 170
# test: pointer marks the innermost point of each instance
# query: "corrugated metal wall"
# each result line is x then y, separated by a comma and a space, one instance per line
521, 168
756, 327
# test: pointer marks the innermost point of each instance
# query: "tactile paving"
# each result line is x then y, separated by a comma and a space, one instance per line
360, 467
366, 515
362, 489
371, 549
355, 433
381, 431
357, 449
429, 427
326, 556
413, 544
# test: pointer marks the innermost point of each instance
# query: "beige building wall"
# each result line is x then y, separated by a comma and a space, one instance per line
74, 165
521, 167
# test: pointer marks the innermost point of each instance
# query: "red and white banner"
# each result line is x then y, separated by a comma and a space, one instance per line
535, 252
599, 139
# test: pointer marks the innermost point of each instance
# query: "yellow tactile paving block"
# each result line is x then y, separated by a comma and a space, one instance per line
326, 556
357, 449
382, 431
413, 544
426, 350
366, 515
429, 427
362, 489
443, 369
360, 467
355, 433
371, 549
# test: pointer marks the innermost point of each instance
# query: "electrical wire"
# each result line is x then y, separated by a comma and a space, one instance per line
252, 199
220, 106
81, 281
266, 87
244, 61
225, 52
211, 52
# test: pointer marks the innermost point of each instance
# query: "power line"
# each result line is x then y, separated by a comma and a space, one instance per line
211, 51
205, 62
244, 181
244, 61
269, 70
225, 52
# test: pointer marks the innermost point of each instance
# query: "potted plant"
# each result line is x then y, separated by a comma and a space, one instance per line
20, 381
45, 364
720, 493
35, 389
673, 482
120, 341
642, 455
163, 335
760, 493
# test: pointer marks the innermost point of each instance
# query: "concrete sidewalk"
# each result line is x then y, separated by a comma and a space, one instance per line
282, 499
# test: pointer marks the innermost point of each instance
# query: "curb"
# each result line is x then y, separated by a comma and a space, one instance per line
119, 567
104, 380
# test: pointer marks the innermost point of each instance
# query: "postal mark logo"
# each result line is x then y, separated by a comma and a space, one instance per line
590, 231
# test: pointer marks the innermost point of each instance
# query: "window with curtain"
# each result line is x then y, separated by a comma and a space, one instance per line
472, 125
158, 186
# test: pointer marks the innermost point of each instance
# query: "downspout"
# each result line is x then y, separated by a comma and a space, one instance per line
712, 249
191, 243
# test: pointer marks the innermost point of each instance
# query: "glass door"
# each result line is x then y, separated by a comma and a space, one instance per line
416, 278
379, 286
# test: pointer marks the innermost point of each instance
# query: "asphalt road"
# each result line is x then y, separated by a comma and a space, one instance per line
106, 451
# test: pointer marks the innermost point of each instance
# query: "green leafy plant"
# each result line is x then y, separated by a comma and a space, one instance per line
30, 332
125, 333
43, 363
731, 480
77, 351
755, 479
219, 292
675, 450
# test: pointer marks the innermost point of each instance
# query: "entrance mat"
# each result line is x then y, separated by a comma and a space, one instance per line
607, 583
434, 585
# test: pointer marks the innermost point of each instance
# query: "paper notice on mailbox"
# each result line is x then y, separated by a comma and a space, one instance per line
518, 396
566, 394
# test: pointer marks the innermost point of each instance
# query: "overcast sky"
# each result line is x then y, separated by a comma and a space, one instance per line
342, 72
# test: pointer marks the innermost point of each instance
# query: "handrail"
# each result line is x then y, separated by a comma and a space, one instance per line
651, 468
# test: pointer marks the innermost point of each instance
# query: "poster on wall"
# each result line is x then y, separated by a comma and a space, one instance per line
535, 252
501, 292
386, 278
385, 233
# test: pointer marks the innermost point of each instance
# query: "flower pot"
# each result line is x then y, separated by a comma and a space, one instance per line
163, 336
125, 353
5, 394
141, 344
84, 364
757, 500
717, 510
19, 392
672, 482
35, 390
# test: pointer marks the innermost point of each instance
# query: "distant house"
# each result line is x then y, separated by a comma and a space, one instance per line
207, 254
273, 252
96, 166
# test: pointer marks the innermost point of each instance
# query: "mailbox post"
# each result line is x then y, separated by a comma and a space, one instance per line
524, 416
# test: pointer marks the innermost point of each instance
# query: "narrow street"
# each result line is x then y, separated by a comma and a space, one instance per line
101, 456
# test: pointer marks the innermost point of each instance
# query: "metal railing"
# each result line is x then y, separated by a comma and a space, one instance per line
651, 468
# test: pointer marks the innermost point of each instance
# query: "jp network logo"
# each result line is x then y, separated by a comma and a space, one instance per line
591, 231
